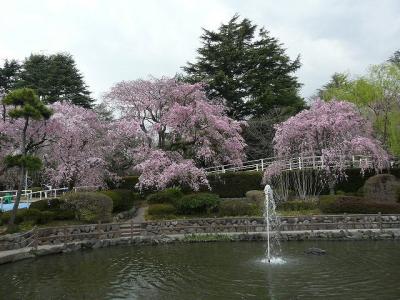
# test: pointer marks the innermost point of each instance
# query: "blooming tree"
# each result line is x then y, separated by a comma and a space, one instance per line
76, 148
335, 131
180, 128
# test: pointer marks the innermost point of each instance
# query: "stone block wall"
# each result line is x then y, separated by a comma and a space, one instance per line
323, 222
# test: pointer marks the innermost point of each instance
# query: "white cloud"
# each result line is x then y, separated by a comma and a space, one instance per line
117, 40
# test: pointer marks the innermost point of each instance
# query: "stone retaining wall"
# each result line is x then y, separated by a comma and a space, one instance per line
59, 235
322, 222
67, 234
339, 235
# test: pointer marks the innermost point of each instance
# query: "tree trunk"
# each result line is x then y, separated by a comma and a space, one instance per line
331, 184
18, 197
21, 176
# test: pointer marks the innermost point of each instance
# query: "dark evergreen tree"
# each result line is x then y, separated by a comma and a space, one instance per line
248, 68
55, 78
395, 58
9, 76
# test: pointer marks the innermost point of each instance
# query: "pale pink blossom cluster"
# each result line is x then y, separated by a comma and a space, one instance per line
334, 130
178, 121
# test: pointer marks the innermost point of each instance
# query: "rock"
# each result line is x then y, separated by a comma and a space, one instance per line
382, 188
315, 251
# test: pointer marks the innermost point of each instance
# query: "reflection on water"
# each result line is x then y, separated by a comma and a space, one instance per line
350, 270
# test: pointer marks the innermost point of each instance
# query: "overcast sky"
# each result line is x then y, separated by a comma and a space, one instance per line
121, 40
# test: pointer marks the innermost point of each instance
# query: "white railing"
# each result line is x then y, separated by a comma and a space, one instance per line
28, 196
293, 163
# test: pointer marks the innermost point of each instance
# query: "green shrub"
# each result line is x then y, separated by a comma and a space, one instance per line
166, 196
234, 207
355, 205
123, 200
47, 204
161, 210
296, 205
46, 217
5, 217
32, 215
64, 214
256, 196
129, 183
198, 203
235, 184
89, 206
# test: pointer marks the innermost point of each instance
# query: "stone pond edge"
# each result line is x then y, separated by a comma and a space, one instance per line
306, 235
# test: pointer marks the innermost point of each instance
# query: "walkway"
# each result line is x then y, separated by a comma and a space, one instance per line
139, 217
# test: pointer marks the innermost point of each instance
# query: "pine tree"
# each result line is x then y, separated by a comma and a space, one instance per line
246, 67
55, 78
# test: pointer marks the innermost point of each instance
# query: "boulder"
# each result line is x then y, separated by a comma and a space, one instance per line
315, 251
382, 188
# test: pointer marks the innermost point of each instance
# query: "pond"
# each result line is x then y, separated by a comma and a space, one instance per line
223, 270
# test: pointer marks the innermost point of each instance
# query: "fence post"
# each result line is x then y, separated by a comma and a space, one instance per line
300, 163
262, 165
35, 238
131, 230
380, 220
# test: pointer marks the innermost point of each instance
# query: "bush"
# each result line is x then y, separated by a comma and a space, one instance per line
5, 217
170, 196
198, 203
296, 205
233, 207
355, 205
63, 214
256, 196
129, 183
161, 210
32, 215
235, 184
89, 206
123, 200
47, 204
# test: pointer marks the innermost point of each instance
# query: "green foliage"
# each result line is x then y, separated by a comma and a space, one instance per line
56, 206
161, 210
199, 203
170, 195
5, 217
239, 62
123, 200
55, 78
256, 196
235, 184
26, 104
356, 205
47, 204
233, 207
296, 205
129, 182
30, 162
89, 206
36, 216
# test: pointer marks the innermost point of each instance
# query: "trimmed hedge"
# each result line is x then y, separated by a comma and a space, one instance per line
47, 204
356, 205
236, 207
123, 200
161, 210
170, 196
235, 184
199, 203
5, 216
295, 205
89, 206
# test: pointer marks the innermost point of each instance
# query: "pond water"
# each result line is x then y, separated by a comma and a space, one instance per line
350, 270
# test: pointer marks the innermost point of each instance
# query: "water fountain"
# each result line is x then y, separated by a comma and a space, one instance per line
273, 222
